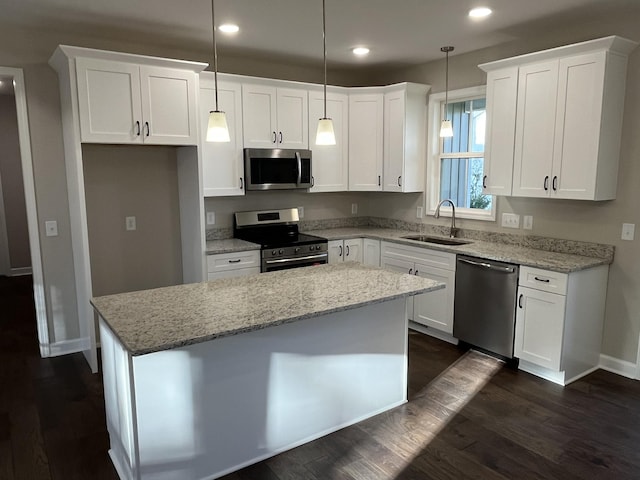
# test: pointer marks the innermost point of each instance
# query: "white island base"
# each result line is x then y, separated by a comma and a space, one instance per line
204, 410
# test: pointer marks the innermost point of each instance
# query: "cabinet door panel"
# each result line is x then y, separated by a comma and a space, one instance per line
435, 309
353, 250
293, 118
222, 162
335, 249
535, 126
259, 116
502, 97
539, 327
365, 142
400, 266
371, 252
394, 128
169, 106
330, 162
578, 124
108, 101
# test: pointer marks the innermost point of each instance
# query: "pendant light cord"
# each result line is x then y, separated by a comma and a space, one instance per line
324, 44
446, 50
215, 51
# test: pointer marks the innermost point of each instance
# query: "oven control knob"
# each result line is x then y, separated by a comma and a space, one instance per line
281, 251
318, 247
296, 250
311, 247
274, 252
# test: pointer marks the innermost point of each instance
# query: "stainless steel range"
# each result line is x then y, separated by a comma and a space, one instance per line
282, 245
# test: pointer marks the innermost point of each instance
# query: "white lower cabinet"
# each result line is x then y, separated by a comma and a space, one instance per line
236, 264
371, 252
434, 309
345, 250
559, 320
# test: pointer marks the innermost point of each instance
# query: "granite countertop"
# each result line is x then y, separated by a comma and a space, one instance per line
229, 245
163, 318
531, 257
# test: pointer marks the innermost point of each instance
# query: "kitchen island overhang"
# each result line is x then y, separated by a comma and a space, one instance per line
241, 369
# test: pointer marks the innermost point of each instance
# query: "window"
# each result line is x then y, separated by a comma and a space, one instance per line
454, 166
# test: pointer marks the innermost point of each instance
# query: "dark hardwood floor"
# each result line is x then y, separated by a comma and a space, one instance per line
468, 416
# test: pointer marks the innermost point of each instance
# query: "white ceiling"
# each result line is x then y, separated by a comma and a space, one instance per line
399, 32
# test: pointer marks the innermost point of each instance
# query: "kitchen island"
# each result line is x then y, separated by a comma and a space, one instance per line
203, 379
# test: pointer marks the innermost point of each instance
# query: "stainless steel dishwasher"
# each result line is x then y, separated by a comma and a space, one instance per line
485, 304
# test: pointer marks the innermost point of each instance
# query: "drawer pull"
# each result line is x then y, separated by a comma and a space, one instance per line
520, 300
235, 261
416, 272
410, 271
546, 182
544, 280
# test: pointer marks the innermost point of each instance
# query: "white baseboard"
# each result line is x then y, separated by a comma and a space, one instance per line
66, 347
16, 272
615, 365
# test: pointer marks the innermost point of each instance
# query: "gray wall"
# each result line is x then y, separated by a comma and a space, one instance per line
12, 185
599, 222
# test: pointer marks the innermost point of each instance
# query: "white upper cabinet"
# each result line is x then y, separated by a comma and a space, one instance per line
330, 162
366, 117
275, 117
405, 113
502, 94
568, 120
121, 102
222, 162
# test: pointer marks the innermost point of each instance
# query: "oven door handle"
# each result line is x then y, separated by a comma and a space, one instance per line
296, 259
299, 160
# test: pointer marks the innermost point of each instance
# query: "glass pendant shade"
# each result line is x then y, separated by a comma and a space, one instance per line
217, 130
325, 134
446, 129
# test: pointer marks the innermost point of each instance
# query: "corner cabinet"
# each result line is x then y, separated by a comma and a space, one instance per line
121, 102
222, 163
330, 162
275, 117
559, 320
568, 111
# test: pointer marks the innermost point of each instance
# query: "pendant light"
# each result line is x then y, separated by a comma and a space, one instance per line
217, 129
325, 134
446, 129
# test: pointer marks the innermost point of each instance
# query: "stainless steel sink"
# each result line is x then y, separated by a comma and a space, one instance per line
438, 240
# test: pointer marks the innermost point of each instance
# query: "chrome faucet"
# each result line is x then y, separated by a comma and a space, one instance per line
453, 230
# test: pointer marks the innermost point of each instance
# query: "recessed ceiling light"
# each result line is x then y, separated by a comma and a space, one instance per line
479, 12
229, 28
360, 51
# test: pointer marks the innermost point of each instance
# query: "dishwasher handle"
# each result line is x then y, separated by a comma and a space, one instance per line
488, 265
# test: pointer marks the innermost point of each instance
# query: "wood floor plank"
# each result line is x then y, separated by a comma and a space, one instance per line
30, 460
6, 461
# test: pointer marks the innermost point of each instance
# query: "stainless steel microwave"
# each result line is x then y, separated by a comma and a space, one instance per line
277, 168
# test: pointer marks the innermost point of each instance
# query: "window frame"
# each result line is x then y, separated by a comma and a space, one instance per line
434, 146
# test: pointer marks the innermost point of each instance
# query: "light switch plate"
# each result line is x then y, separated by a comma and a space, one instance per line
527, 222
51, 228
211, 218
301, 212
510, 220
130, 223
628, 231
419, 212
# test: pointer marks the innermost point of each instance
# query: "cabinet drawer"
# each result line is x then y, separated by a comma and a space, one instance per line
433, 258
543, 280
232, 261
240, 272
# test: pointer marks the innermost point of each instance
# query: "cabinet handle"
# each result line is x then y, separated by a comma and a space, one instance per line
275, 138
416, 272
241, 183
546, 182
484, 182
235, 261
340, 254
347, 248
543, 280
410, 271
379, 180
520, 300
138, 128
399, 182
280, 137
554, 183
313, 181
146, 124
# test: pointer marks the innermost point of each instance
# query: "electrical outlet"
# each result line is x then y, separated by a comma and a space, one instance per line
211, 218
527, 222
300, 212
419, 212
51, 228
628, 231
130, 223
354, 208
510, 220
